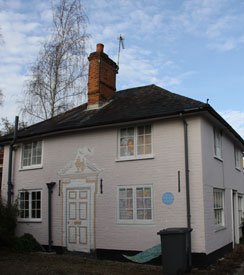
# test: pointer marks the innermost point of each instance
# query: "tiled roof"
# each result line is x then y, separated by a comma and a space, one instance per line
127, 105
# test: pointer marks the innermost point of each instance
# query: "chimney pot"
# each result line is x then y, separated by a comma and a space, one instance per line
100, 48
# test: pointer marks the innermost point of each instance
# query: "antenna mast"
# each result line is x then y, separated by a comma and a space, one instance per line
121, 43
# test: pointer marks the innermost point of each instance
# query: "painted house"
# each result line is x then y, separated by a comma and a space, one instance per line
126, 165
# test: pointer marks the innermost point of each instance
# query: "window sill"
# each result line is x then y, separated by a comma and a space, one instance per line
219, 228
238, 169
135, 158
218, 158
29, 220
31, 167
135, 223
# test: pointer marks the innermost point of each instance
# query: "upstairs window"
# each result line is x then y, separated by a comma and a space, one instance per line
238, 158
30, 205
218, 196
135, 142
217, 144
31, 154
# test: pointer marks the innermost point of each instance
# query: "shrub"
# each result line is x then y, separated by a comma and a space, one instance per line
26, 243
8, 221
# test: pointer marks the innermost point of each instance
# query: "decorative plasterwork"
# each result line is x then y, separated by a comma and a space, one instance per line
81, 164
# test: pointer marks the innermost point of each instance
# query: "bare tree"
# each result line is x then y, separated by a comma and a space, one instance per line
7, 127
59, 75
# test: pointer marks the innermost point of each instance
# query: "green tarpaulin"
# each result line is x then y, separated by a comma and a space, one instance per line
146, 255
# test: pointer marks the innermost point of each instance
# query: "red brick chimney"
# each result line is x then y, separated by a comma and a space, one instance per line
101, 79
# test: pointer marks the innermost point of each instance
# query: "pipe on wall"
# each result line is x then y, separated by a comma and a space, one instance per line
10, 161
50, 186
188, 207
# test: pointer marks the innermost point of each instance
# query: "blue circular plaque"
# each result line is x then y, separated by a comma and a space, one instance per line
168, 198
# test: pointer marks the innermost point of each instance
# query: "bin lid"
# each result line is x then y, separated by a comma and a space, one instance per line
174, 230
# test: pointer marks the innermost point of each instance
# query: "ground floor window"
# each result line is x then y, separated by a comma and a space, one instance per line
218, 195
135, 203
30, 205
240, 208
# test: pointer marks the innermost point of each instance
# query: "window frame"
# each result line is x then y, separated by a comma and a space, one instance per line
218, 139
134, 220
31, 166
238, 158
29, 218
240, 209
221, 207
135, 145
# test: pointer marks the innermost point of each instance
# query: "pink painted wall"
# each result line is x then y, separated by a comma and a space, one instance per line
161, 172
218, 174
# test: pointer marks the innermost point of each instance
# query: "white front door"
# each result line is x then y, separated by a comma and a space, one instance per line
78, 219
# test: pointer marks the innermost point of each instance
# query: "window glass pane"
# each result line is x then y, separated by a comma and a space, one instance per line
140, 150
122, 193
129, 192
131, 132
141, 130
148, 214
122, 203
123, 141
140, 203
148, 149
148, 129
130, 147
140, 140
38, 214
140, 214
139, 192
147, 203
123, 151
123, 132
148, 139
147, 192
129, 203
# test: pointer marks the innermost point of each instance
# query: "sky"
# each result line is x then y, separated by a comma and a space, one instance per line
191, 47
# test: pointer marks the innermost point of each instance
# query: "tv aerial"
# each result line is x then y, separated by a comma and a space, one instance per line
121, 44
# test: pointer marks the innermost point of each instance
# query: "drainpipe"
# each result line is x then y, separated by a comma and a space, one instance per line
50, 186
10, 185
188, 208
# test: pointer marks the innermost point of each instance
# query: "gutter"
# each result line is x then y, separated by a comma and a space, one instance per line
10, 162
50, 186
188, 207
